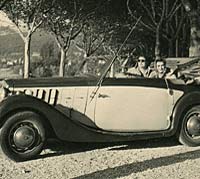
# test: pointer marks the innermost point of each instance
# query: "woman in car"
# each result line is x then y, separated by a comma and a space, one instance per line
141, 69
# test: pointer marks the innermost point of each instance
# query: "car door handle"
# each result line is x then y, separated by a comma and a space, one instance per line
103, 96
68, 98
80, 97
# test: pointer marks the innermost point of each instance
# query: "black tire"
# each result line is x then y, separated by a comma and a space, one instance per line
22, 136
190, 128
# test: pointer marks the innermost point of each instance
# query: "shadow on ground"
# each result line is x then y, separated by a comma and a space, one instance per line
136, 167
57, 147
63, 148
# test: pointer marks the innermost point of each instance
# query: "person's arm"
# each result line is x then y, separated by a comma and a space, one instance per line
153, 74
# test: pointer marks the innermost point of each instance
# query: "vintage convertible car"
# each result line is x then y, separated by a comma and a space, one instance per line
95, 110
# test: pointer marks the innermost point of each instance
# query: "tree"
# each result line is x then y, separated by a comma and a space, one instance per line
65, 21
174, 32
159, 18
191, 7
27, 15
93, 37
3, 3
49, 53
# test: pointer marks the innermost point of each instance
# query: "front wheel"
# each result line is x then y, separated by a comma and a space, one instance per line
190, 128
22, 136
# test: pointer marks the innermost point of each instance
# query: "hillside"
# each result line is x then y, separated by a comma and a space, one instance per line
11, 42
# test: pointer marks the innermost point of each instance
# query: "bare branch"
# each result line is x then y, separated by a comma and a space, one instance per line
77, 32
147, 26
153, 8
148, 12
129, 10
71, 36
179, 26
97, 47
58, 41
174, 12
94, 39
19, 31
173, 8
36, 26
89, 45
33, 27
163, 13
172, 29
92, 11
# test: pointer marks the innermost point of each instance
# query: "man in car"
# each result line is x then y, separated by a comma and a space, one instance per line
141, 69
161, 71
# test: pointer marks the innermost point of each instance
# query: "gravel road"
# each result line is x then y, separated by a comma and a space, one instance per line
163, 158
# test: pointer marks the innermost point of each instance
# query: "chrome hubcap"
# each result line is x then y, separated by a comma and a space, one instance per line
193, 126
24, 137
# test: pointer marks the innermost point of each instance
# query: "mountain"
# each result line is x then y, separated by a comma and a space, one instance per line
11, 42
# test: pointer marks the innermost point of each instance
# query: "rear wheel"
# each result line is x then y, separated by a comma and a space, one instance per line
22, 136
190, 128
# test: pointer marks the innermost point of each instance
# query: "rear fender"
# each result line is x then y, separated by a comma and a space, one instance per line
183, 105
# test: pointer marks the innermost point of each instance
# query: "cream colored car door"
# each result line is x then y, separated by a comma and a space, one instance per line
133, 105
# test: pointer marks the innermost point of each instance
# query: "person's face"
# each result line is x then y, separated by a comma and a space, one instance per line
160, 67
142, 62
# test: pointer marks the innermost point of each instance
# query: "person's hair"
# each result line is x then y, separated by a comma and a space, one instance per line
161, 60
142, 56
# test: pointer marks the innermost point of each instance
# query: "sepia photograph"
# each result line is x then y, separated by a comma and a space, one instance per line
99, 89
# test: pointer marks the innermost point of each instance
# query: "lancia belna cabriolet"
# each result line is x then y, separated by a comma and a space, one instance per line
95, 109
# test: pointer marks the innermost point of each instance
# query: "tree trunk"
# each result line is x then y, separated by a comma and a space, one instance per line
177, 47
112, 71
195, 35
177, 37
191, 7
185, 41
85, 68
85, 63
170, 48
62, 63
157, 44
27, 42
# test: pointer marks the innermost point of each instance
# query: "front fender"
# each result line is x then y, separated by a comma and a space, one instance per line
182, 106
60, 123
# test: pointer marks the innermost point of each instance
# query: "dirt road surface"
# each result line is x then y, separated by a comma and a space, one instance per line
164, 158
